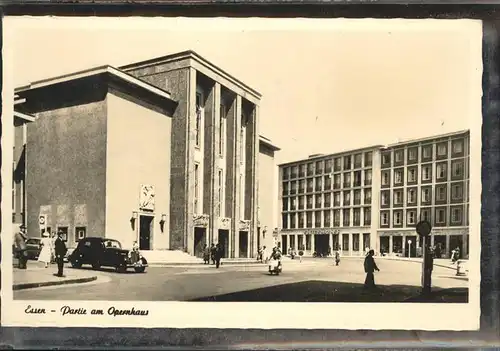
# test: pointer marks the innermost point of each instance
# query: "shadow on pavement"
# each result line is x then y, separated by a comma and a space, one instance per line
322, 291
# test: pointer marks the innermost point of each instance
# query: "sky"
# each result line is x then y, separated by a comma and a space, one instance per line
326, 85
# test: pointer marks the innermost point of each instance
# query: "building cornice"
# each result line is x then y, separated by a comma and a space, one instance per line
426, 139
265, 141
190, 54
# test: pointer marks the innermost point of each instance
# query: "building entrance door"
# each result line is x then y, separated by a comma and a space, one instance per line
224, 242
145, 232
321, 243
200, 235
243, 244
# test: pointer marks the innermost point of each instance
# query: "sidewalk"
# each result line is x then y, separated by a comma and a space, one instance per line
440, 262
37, 276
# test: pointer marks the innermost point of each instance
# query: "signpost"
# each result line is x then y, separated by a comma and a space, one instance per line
409, 249
424, 229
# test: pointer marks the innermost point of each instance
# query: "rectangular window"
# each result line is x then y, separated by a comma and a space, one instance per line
293, 187
411, 217
368, 196
368, 159
294, 172
397, 218
64, 231
358, 159
310, 187
347, 162
285, 204
412, 154
412, 196
347, 180
412, 175
292, 220
347, 198
456, 215
336, 218
301, 202
440, 193
318, 201
327, 199
337, 164
310, 169
319, 167
357, 178
220, 206
426, 172
441, 170
425, 215
317, 219
196, 187
367, 216
302, 186
386, 158
384, 218
80, 233
427, 151
457, 191
286, 173
301, 220
440, 216
356, 217
326, 219
336, 198
385, 198
309, 219
302, 171
328, 182
426, 195
319, 185
398, 177
293, 204
441, 149
328, 166
398, 156
386, 177
398, 197
355, 242
368, 177
199, 128
309, 201
284, 220
357, 197
346, 214
222, 129
458, 146
457, 168
336, 181
286, 186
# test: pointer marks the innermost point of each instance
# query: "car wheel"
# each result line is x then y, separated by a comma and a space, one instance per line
96, 265
76, 264
121, 269
140, 269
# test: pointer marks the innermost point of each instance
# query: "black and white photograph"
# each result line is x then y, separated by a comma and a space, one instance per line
184, 168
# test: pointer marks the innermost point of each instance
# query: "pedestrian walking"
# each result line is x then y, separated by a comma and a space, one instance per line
20, 247
337, 257
218, 255
206, 254
60, 250
213, 250
46, 249
370, 267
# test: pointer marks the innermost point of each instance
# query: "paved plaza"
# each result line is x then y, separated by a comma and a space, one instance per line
313, 280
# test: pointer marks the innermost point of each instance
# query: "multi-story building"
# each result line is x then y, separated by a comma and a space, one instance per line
19, 166
163, 152
425, 179
329, 202
374, 197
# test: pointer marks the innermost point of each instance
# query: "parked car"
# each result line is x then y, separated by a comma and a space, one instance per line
102, 252
33, 248
68, 253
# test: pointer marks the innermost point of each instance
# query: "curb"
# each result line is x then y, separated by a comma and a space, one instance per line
23, 286
407, 260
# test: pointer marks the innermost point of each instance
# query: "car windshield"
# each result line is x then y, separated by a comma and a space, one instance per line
112, 243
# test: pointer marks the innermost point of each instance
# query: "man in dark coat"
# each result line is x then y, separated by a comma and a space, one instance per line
20, 246
213, 250
218, 255
370, 267
60, 251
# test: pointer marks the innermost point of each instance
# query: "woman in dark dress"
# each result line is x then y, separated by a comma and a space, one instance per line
370, 267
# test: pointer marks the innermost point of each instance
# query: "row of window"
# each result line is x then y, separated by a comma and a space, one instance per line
80, 232
344, 180
324, 219
437, 217
441, 169
354, 244
440, 192
326, 200
427, 153
337, 164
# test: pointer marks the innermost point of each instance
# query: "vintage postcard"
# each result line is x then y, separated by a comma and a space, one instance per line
274, 173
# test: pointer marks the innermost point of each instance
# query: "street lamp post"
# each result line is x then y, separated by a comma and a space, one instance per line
409, 248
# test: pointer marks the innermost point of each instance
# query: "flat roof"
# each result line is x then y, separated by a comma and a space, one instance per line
323, 156
430, 138
116, 73
195, 56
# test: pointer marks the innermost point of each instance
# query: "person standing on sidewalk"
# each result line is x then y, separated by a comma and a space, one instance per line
20, 247
46, 251
60, 249
337, 257
370, 267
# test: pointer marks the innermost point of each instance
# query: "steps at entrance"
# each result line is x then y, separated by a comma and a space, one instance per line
169, 257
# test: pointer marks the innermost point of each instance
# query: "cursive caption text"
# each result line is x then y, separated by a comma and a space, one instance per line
69, 311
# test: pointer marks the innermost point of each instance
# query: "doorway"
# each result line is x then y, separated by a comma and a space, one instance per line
384, 245
345, 244
224, 242
321, 243
284, 244
456, 242
412, 247
145, 232
200, 235
243, 244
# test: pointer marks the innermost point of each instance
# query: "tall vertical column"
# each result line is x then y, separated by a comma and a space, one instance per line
254, 196
448, 249
188, 233
330, 241
313, 243
235, 223
350, 244
404, 244
390, 244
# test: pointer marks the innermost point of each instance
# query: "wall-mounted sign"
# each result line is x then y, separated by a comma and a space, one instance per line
42, 221
147, 198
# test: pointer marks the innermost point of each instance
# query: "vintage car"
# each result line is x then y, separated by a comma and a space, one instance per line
102, 252
33, 248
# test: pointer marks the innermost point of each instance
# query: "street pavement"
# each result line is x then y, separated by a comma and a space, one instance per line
311, 280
